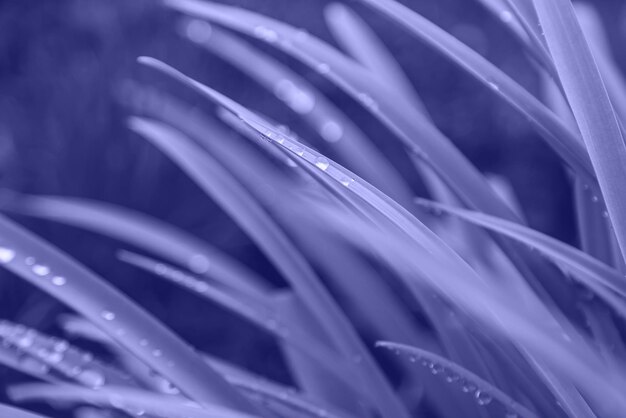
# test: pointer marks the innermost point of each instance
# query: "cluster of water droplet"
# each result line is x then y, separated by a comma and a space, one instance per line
8, 255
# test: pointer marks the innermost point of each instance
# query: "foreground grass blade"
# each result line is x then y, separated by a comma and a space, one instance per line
223, 188
564, 141
586, 268
123, 399
11, 412
590, 103
483, 392
46, 267
142, 231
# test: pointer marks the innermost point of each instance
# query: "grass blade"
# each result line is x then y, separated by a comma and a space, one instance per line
590, 103
42, 265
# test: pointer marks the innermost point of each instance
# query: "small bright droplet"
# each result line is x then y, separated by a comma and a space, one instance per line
482, 398
41, 270
331, 131
323, 68
346, 182
198, 31
58, 280
265, 34
108, 315
506, 16
6, 255
199, 264
91, 378
322, 163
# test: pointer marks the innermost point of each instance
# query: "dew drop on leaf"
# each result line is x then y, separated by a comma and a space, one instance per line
6, 255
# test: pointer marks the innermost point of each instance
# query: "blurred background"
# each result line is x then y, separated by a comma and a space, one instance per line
64, 65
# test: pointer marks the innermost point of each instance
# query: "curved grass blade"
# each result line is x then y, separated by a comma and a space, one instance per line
558, 136
259, 311
9, 411
142, 231
123, 399
227, 192
591, 272
482, 390
590, 103
60, 356
413, 129
47, 268
303, 98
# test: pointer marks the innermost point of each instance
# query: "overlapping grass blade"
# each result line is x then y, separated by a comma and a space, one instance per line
455, 373
123, 399
564, 141
10, 411
142, 231
313, 107
590, 103
225, 190
46, 267
592, 273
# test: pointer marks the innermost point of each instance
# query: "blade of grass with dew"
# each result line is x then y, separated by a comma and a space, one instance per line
484, 392
311, 157
530, 327
121, 398
591, 272
362, 43
590, 104
277, 247
142, 231
275, 136
237, 160
62, 357
415, 132
433, 147
14, 359
312, 106
259, 312
12, 412
47, 268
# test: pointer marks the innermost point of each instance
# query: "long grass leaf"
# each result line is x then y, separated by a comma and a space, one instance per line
482, 390
590, 104
12, 412
277, 247
123, 399
47, 268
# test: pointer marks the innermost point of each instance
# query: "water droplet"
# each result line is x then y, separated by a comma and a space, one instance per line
6, 255
322, 68
331, 131
199, 264
266, 34
322, 163
493, 86
346, 181
29, 261
91, 378
368, 101
58, 280
506, 16
467, 387
412, 359
605, 214
299, 100
451, 378
594, 199
108, 315
198, 31
436, 368
41, 270
482, 398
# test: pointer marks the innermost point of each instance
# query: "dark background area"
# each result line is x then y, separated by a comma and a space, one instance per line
62, 132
